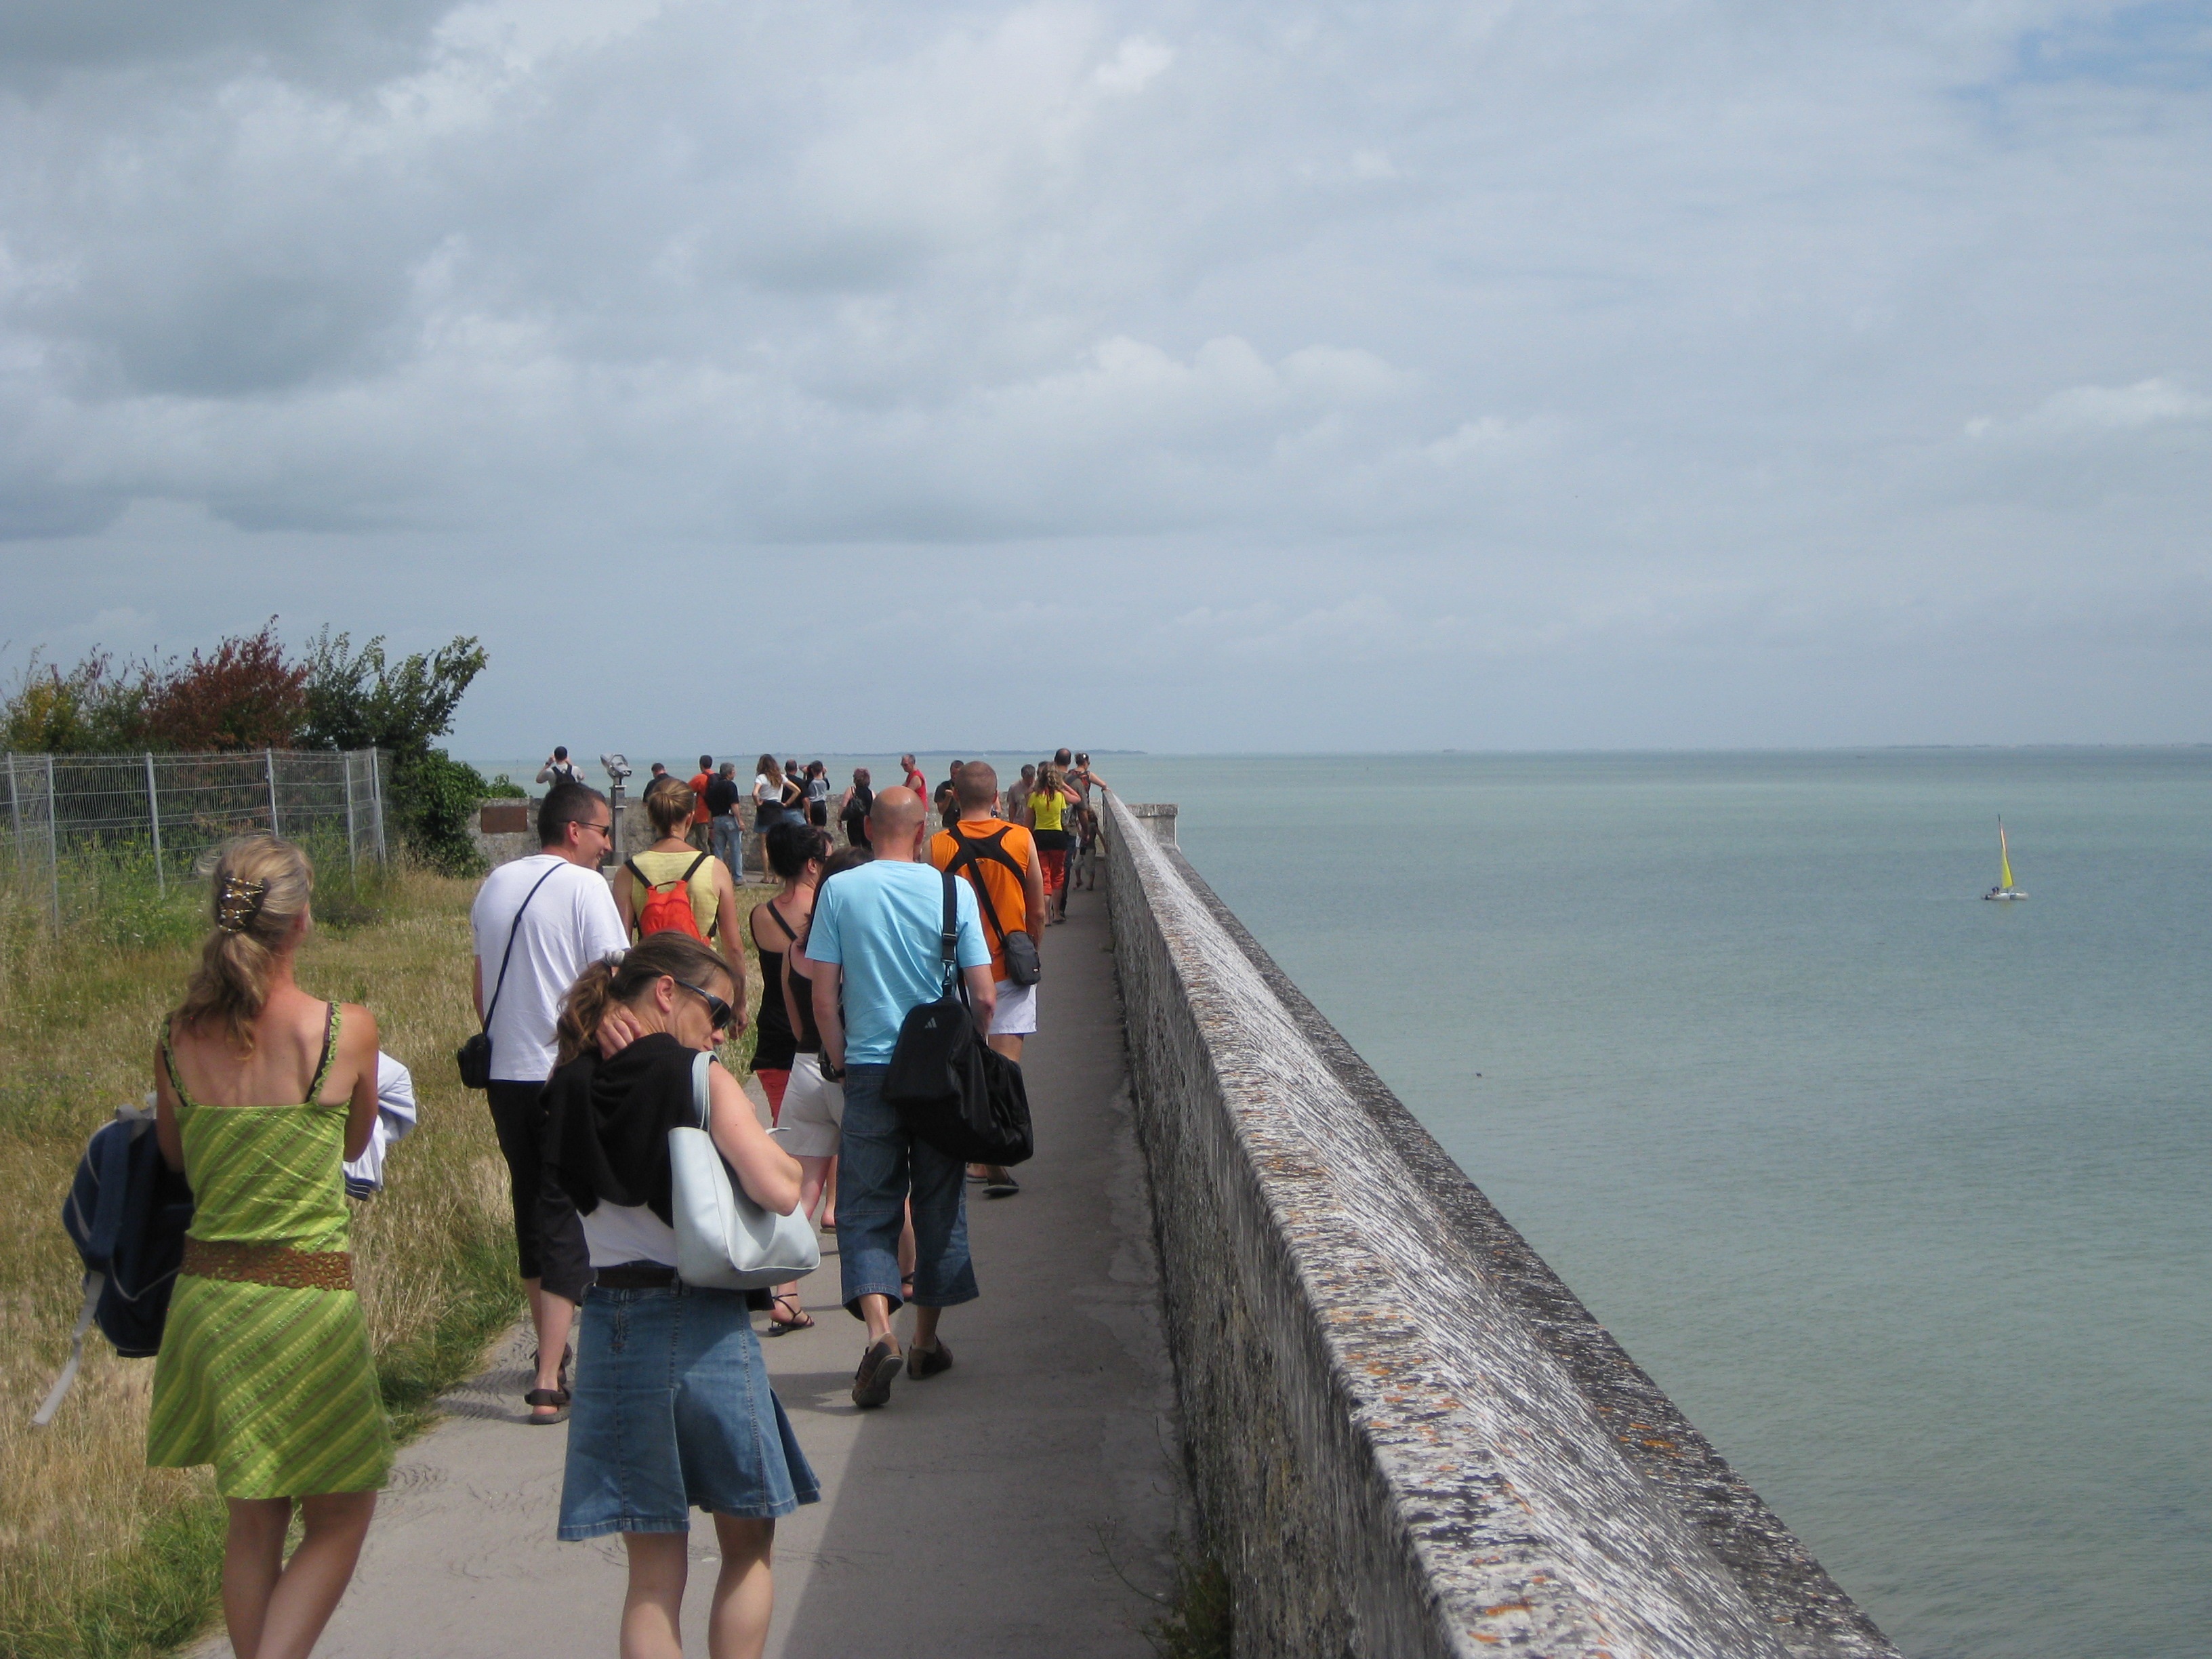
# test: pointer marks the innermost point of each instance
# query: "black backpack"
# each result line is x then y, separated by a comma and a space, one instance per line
126, 1213
949, 1087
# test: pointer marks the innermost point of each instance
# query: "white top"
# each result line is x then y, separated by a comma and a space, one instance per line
395, 1121
571, 924
766, 788
620, 1233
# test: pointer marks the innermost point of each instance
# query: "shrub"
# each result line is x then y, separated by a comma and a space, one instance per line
245, 696
433, 795
95, 708
361, 701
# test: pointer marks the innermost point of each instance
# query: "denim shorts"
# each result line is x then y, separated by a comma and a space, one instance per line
672, 1411
880, 1166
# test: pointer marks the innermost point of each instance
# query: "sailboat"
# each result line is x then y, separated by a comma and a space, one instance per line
2004, 889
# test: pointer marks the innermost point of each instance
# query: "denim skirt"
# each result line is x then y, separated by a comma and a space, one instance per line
672, 1411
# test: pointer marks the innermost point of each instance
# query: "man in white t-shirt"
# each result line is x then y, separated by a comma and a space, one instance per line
567, 921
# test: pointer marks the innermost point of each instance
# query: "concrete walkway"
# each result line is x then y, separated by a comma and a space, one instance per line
994, 1510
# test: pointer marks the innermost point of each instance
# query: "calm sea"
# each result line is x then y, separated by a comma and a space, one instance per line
1907, 1198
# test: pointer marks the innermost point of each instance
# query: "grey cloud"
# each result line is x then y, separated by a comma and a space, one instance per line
345, 41
1628, 328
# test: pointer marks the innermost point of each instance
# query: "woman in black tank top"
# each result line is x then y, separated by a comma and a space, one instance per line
795, 852
818, 1173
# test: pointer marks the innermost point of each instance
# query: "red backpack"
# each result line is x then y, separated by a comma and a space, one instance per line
668, 904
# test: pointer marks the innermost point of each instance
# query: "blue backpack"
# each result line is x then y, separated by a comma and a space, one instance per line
126, 1213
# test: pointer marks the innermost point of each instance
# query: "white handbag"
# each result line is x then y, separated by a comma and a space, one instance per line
724, 1241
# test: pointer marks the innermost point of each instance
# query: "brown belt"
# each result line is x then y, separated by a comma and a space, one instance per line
279, 1265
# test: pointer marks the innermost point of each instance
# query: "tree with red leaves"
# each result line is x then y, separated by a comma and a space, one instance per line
243, 695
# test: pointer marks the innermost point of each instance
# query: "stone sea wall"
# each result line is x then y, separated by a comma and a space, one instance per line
1406, 1436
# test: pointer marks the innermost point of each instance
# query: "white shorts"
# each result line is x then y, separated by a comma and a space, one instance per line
1015, 1014
812, 1120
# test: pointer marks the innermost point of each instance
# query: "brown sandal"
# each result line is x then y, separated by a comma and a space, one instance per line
557, 1398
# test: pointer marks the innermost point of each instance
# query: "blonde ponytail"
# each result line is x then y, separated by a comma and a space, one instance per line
259, 887
669, 802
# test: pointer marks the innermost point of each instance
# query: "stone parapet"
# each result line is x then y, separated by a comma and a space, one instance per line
1406, 1436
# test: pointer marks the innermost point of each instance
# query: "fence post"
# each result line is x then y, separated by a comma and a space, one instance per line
376, 798
353, 846
53, 857
269, 758
14, 813
154, 810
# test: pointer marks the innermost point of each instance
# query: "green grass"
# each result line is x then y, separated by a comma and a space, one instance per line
1200, 1620
154, 1597
482, 1301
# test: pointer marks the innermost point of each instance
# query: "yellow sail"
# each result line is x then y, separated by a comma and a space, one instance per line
2004, 861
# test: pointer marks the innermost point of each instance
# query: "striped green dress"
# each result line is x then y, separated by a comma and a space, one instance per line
273, 1385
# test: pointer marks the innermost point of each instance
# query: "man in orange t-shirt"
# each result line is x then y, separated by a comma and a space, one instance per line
1009, 881
700, 815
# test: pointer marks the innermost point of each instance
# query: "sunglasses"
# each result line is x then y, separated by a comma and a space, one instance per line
717, 1010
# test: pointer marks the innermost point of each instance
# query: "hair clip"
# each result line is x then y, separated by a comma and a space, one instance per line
237, 904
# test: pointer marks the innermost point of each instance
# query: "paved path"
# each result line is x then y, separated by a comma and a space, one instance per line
991, 1511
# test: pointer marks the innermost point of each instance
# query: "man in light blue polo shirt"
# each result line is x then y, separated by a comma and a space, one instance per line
875, 946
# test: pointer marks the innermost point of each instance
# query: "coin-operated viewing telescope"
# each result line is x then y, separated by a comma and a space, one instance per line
618, 768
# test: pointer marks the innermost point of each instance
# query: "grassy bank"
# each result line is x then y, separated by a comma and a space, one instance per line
98, 1554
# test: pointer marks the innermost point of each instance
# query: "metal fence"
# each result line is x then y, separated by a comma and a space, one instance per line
158, 813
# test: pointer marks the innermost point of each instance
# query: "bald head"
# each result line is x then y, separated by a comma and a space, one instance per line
895, 823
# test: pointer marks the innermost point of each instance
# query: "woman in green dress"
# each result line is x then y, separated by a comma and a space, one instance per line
265, 1370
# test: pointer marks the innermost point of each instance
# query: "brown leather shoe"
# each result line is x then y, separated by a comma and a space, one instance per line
922, 1363
872, 1383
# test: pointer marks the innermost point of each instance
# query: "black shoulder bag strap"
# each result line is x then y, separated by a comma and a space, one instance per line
514, 932
948, 942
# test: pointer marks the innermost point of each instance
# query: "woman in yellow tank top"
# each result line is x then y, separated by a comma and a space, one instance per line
714, 896
1047, 805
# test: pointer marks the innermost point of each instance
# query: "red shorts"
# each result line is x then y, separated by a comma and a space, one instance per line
1054, 860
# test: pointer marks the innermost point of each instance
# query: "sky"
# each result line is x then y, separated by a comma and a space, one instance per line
855, 377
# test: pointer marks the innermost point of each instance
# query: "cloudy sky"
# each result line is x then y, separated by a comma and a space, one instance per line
1198, 377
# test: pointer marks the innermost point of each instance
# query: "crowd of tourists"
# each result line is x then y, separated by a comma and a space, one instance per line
599, 983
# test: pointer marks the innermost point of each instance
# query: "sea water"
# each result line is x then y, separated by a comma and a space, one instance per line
1904, 1197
